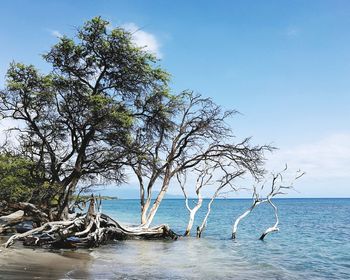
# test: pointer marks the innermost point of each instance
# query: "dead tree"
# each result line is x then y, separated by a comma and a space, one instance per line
275, 226
197, 132
218, 174
227, 181
13, 214
277, 188
256, 201
203, 179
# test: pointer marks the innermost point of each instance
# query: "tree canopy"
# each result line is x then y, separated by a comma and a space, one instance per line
77, 119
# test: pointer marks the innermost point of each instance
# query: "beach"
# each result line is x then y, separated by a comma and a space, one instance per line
27, 263
312, 244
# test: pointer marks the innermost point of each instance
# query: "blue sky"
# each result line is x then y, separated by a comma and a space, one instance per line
285, 65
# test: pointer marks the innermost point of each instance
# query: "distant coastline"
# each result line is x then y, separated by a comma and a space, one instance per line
103, 197
234, 198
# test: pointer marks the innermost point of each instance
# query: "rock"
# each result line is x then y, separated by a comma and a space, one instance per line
73, 239
24, 226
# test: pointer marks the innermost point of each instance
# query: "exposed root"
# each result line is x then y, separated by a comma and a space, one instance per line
89, 230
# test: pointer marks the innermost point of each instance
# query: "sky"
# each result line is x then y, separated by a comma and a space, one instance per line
285, 65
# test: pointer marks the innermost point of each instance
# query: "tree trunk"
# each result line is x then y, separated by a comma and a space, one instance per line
156, 203
63, 205
190, 223
274, 228
146, 205
144, 211
192, 214
142, 202
241, 217
201, 228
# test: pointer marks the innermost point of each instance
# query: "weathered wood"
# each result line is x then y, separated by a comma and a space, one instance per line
7, 221
14, 213
31, 210
89, 230
274, 228
278, 187
255, 203
12, 218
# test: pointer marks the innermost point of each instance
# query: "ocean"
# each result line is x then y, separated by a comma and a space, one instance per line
313, 243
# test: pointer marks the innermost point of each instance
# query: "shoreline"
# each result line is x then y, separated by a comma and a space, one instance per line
36, 263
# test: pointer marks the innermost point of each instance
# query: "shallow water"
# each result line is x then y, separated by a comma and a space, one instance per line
313, 243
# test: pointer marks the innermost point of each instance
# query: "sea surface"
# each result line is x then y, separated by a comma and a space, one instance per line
313, 243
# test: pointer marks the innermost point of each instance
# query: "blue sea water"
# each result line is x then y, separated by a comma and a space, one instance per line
313, 242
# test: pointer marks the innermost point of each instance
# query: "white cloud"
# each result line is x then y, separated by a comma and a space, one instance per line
143, 39
56, 33
328, 158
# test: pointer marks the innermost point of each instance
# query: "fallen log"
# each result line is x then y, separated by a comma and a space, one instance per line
7, 221
12, 218
17, 216
31, 210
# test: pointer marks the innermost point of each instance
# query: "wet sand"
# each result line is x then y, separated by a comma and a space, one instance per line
25, 263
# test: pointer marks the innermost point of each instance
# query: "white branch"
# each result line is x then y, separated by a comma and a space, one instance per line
274, 228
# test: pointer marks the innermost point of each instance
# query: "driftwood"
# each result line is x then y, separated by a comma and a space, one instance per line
7, 221
89, 230
13, 214
30, 210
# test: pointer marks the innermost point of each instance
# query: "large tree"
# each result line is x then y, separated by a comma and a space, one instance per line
196, 131
76, 120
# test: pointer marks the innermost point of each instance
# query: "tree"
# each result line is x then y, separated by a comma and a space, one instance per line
77, 120
218, 174
195, 132
277, 187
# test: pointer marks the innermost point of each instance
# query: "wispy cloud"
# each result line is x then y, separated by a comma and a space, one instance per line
328, 158
292, 32
56, 33
144, 39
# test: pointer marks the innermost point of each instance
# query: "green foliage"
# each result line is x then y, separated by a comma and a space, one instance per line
22, 180
15, 178
79, 120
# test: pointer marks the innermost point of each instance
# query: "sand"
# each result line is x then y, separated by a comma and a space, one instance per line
26, 263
